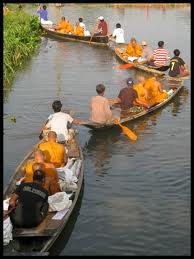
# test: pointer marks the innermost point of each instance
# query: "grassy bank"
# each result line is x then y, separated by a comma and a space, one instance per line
21, 36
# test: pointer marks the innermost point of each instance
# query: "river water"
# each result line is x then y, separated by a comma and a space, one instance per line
136, 197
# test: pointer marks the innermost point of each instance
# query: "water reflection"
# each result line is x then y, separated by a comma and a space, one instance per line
99, 148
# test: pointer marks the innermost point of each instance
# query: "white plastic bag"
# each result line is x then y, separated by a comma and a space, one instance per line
59, 201
7, 231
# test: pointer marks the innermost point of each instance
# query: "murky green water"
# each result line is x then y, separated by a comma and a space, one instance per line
136, 198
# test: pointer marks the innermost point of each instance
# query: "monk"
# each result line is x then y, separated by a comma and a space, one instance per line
133, 49
79, 30
62, 26
70, 28
54, 152
141, 91
49, 169
155, 92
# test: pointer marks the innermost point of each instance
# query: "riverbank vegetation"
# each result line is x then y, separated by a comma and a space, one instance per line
21, 36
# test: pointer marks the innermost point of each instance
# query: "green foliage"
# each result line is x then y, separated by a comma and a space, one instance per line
21, 36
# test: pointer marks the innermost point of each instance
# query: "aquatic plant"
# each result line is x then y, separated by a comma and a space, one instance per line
21, 36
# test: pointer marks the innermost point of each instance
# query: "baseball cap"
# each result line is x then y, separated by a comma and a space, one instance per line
100, 18
130, 81
144, 43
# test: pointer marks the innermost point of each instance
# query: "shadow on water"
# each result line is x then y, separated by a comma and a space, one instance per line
63, 238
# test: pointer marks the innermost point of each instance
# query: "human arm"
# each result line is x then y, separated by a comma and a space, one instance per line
142, 103
115, 100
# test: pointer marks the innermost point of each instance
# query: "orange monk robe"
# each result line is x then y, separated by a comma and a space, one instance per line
54, 153
51, 183
134, 52
79, 30
141, 93
155, 96
62, 26
69, 28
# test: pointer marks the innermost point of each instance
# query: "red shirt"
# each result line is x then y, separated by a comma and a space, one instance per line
103, 26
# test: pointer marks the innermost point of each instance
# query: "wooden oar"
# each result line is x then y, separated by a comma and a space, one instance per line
126, 130
125, 66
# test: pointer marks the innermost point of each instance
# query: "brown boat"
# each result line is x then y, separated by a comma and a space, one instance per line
138, 65
95, 40
133, 116
39, 240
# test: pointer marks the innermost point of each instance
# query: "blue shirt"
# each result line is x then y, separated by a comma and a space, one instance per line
43, 14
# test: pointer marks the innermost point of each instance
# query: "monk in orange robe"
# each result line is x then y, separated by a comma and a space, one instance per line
70, 28
79, 30
133, 49
141, 91
54, 152
51, 176
62, 26
155, 91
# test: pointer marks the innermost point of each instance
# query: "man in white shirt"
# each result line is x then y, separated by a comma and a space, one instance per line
58, 122
118, 34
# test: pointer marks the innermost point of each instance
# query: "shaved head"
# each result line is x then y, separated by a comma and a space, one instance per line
52, 135
39, 156
38, 166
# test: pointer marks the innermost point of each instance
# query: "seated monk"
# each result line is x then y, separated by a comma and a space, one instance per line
69, 28
155, 91
54, 152
49, 169
79, 30
61, 27
133, 49
141, 91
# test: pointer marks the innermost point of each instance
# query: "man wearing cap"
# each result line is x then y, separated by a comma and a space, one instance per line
128, 97
102, 27
29, 202
147, 51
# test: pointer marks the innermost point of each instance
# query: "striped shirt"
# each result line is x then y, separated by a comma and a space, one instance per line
160, 56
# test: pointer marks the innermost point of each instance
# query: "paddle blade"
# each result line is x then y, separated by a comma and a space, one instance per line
129, 133
125, 66
126, 130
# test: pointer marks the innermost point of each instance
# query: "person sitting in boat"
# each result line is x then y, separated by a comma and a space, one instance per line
70, 28
160, 56
62, 25
29, 202
100, 108
102, 29
147, 53
79, 30
178, 67
154, 91
118, 34
43, 15
58, 122
38, 163
133, 51
128, 99
141, 92
54, 152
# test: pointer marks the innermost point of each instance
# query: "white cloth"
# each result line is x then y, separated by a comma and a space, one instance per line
82, 25
58, 123
59, 201
45, 22
132, 58
119, 34
7, 231
87, 33
6, 204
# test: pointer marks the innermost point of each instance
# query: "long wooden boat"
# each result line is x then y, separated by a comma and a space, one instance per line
95, 40
139, 66
39, 240
133, 116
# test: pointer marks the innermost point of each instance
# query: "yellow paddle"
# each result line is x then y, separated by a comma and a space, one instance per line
126, 131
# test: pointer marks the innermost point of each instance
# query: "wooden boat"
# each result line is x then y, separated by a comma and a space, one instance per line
95, 40
39, 240
140, 66
133, 116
